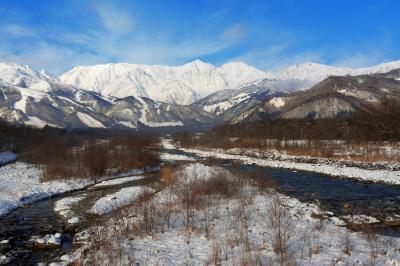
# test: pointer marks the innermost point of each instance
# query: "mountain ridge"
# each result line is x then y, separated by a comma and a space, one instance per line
199, 78
38, 98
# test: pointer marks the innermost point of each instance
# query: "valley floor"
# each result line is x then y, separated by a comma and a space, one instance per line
205, 215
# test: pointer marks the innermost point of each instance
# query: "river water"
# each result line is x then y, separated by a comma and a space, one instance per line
339, 196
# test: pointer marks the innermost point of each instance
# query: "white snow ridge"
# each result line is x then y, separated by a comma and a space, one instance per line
182, 84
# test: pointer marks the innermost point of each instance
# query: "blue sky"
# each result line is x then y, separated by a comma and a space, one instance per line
57, 35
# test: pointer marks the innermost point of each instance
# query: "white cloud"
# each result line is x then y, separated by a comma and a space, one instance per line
15, 30
277, 56
55, 59
234, 33
115, 20
360, 59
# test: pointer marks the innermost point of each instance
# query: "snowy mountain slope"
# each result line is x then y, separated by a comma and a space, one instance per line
317, 72
61, 105
227, 104
332, 97
23, 76
238, 74
182, 84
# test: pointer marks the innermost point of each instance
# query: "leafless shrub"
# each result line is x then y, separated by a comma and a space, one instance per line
147, 213
280, 225
221, 184
101, 248
261, 182
319, 224
347, 243
207, 221
375, 243
216, 255
167, 210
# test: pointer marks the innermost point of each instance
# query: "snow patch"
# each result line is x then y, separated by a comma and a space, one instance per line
167, 144
118, 181
73, 220
277, 102
127, 124
121, 198
36, 122
221, 107
89, 121
63, 206
175, 157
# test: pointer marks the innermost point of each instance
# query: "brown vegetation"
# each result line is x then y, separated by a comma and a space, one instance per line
64, 154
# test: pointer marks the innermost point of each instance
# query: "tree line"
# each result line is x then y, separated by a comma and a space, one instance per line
374, 122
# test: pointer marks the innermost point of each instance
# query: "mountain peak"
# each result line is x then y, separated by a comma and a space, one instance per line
317, 72
198, 63
24, 76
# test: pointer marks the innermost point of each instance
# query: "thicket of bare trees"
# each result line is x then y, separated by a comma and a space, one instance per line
66, 154
97, 157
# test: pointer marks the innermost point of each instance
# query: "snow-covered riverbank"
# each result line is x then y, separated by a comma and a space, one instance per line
332, 168
20, 184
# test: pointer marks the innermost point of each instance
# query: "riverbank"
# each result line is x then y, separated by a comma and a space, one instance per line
20, 184
361, 171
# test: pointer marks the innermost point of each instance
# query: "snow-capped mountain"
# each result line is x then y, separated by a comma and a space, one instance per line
135, 96
193, 81
181, 85
317, 72
35, 98
23, 76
